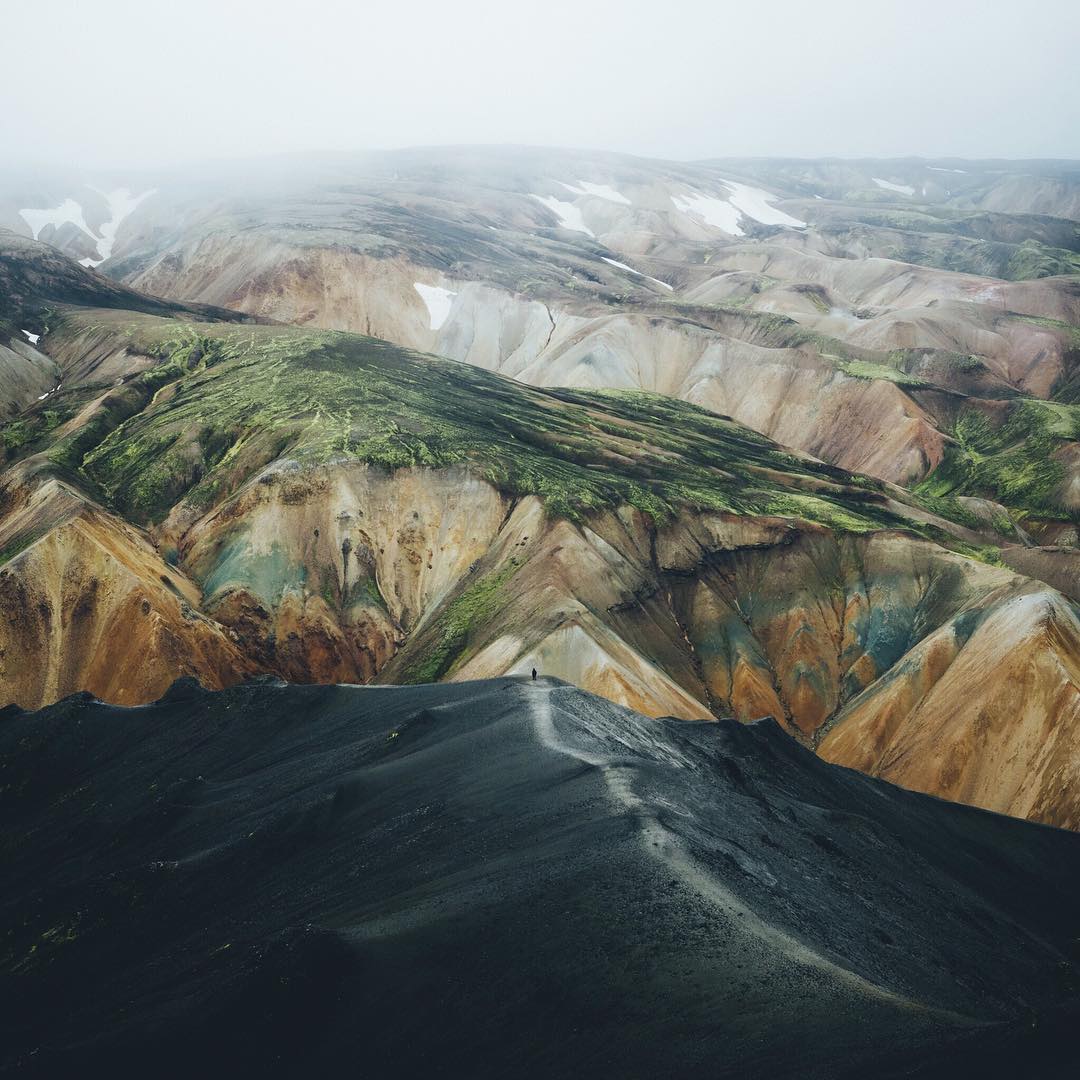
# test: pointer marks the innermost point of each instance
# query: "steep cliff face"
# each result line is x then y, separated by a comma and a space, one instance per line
342, 509
1011, 746
323, 572
922, 667
89, 604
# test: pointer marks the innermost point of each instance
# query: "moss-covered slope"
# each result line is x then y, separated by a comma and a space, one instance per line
223, 401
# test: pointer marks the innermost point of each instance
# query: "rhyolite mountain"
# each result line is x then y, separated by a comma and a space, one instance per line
913, 320
202, 494
934, 302
507, 878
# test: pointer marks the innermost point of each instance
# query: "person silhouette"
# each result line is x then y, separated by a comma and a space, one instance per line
534, 674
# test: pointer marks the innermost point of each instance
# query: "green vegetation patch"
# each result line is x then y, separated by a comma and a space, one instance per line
476, 606
35, 429
19, 544
1011, 463
1071, 333
1034, 260
867, 369
225, 400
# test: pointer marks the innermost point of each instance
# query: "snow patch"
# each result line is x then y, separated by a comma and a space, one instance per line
49, 393
68, 212
937, 168
121, 205
438, 300
623, 266
601, 191
744, 200
33, 337
754, 203
718, 213
120, 202
568, 214
888, 185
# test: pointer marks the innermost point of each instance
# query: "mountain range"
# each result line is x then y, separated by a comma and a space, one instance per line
741, 438
507, 877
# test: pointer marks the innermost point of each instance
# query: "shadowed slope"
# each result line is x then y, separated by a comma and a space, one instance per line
506, 878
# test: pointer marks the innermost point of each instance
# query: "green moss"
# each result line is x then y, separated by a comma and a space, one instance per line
866, 369
1003, 525
947, 506
328, 586
226, 400
32, 430
1071, 333
18, 545
366, 591
984, 553
475, 606
1011, 463
1034, 260
15, 435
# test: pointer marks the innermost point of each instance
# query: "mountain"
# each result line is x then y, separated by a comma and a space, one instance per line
909, 319
922, 297
207, 496
507, 877
913, 320
35, 279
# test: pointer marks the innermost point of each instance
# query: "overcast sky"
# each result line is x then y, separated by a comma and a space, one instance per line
112, 82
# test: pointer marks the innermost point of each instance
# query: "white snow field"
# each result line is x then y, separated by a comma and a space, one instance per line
68, 212
121, 203
755, 203
888, 185
744, 200
719, 213
568, 214
33, 337
601, 191
623, 266
438, 300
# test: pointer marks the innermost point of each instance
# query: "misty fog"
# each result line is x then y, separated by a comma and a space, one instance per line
121, 82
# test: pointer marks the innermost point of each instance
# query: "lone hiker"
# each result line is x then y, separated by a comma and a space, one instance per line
534, 674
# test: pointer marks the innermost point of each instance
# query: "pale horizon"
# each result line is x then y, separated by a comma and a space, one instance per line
122, 84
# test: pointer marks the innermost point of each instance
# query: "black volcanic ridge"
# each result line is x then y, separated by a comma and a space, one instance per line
506, 879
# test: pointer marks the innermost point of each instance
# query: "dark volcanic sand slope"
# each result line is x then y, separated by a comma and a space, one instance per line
505, 879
